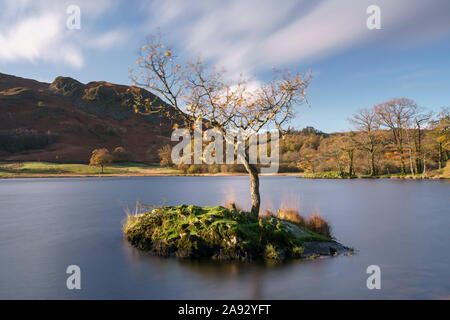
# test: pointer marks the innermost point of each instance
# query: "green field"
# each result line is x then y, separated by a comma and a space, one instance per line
44, 169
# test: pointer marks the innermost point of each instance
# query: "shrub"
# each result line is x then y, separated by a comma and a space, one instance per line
183, 167
194, 168
238, 168
233, 206
271, 253
297, 252
100, 157
120, 155
265, 214
213, 168
325, 175
318, 225
165, 156
291, 215
288, 167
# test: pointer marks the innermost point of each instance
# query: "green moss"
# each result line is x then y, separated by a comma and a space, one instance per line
297, 252
215, 232
272, 253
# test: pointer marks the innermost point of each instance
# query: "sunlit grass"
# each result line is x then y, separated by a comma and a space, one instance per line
47, 168
315, 222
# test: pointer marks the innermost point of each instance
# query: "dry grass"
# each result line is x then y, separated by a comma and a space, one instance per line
291, 215
318, 224
132, 215
315, 222
231, 205
265, 214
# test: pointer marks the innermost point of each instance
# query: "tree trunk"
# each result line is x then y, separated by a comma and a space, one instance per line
339, 165
424, 164
350, 166
418, 165
398, 138
402, 163
419, 151
254, 187
372, 163
411, 167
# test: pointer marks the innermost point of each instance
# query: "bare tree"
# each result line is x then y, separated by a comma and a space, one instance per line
332, 152
366, 121
420, 120
349, 146
199, 92
159, 72
245, 106
396, 115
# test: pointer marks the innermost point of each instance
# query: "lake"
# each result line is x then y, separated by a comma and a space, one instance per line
49, 224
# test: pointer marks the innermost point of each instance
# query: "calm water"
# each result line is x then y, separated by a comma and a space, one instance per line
48, 224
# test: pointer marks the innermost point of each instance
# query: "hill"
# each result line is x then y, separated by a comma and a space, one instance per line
65, 120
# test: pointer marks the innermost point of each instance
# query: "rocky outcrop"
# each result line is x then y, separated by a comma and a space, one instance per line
325, 248
67, 87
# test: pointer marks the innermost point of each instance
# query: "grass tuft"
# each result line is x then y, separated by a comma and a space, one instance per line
271, 253
291, 215
231, 205
265, 214
315, 223
319, 225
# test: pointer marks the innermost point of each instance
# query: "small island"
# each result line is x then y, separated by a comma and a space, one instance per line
222, 233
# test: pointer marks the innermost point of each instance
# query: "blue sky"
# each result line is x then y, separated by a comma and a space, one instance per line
353, 66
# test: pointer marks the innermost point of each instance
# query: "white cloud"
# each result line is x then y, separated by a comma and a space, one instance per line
255, 35
107, 40
38, 38
225, 32
324, 30
243, 36
35, 31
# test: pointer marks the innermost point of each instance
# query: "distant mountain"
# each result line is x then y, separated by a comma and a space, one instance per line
65, 120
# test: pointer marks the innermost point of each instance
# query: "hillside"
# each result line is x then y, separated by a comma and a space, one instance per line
65, 120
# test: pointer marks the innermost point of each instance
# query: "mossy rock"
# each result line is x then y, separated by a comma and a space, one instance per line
220, 233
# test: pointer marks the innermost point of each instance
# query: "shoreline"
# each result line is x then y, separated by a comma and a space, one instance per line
131, 175
393, 177
35, 169
37, 175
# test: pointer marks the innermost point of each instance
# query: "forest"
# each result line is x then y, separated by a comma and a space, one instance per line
396, 137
